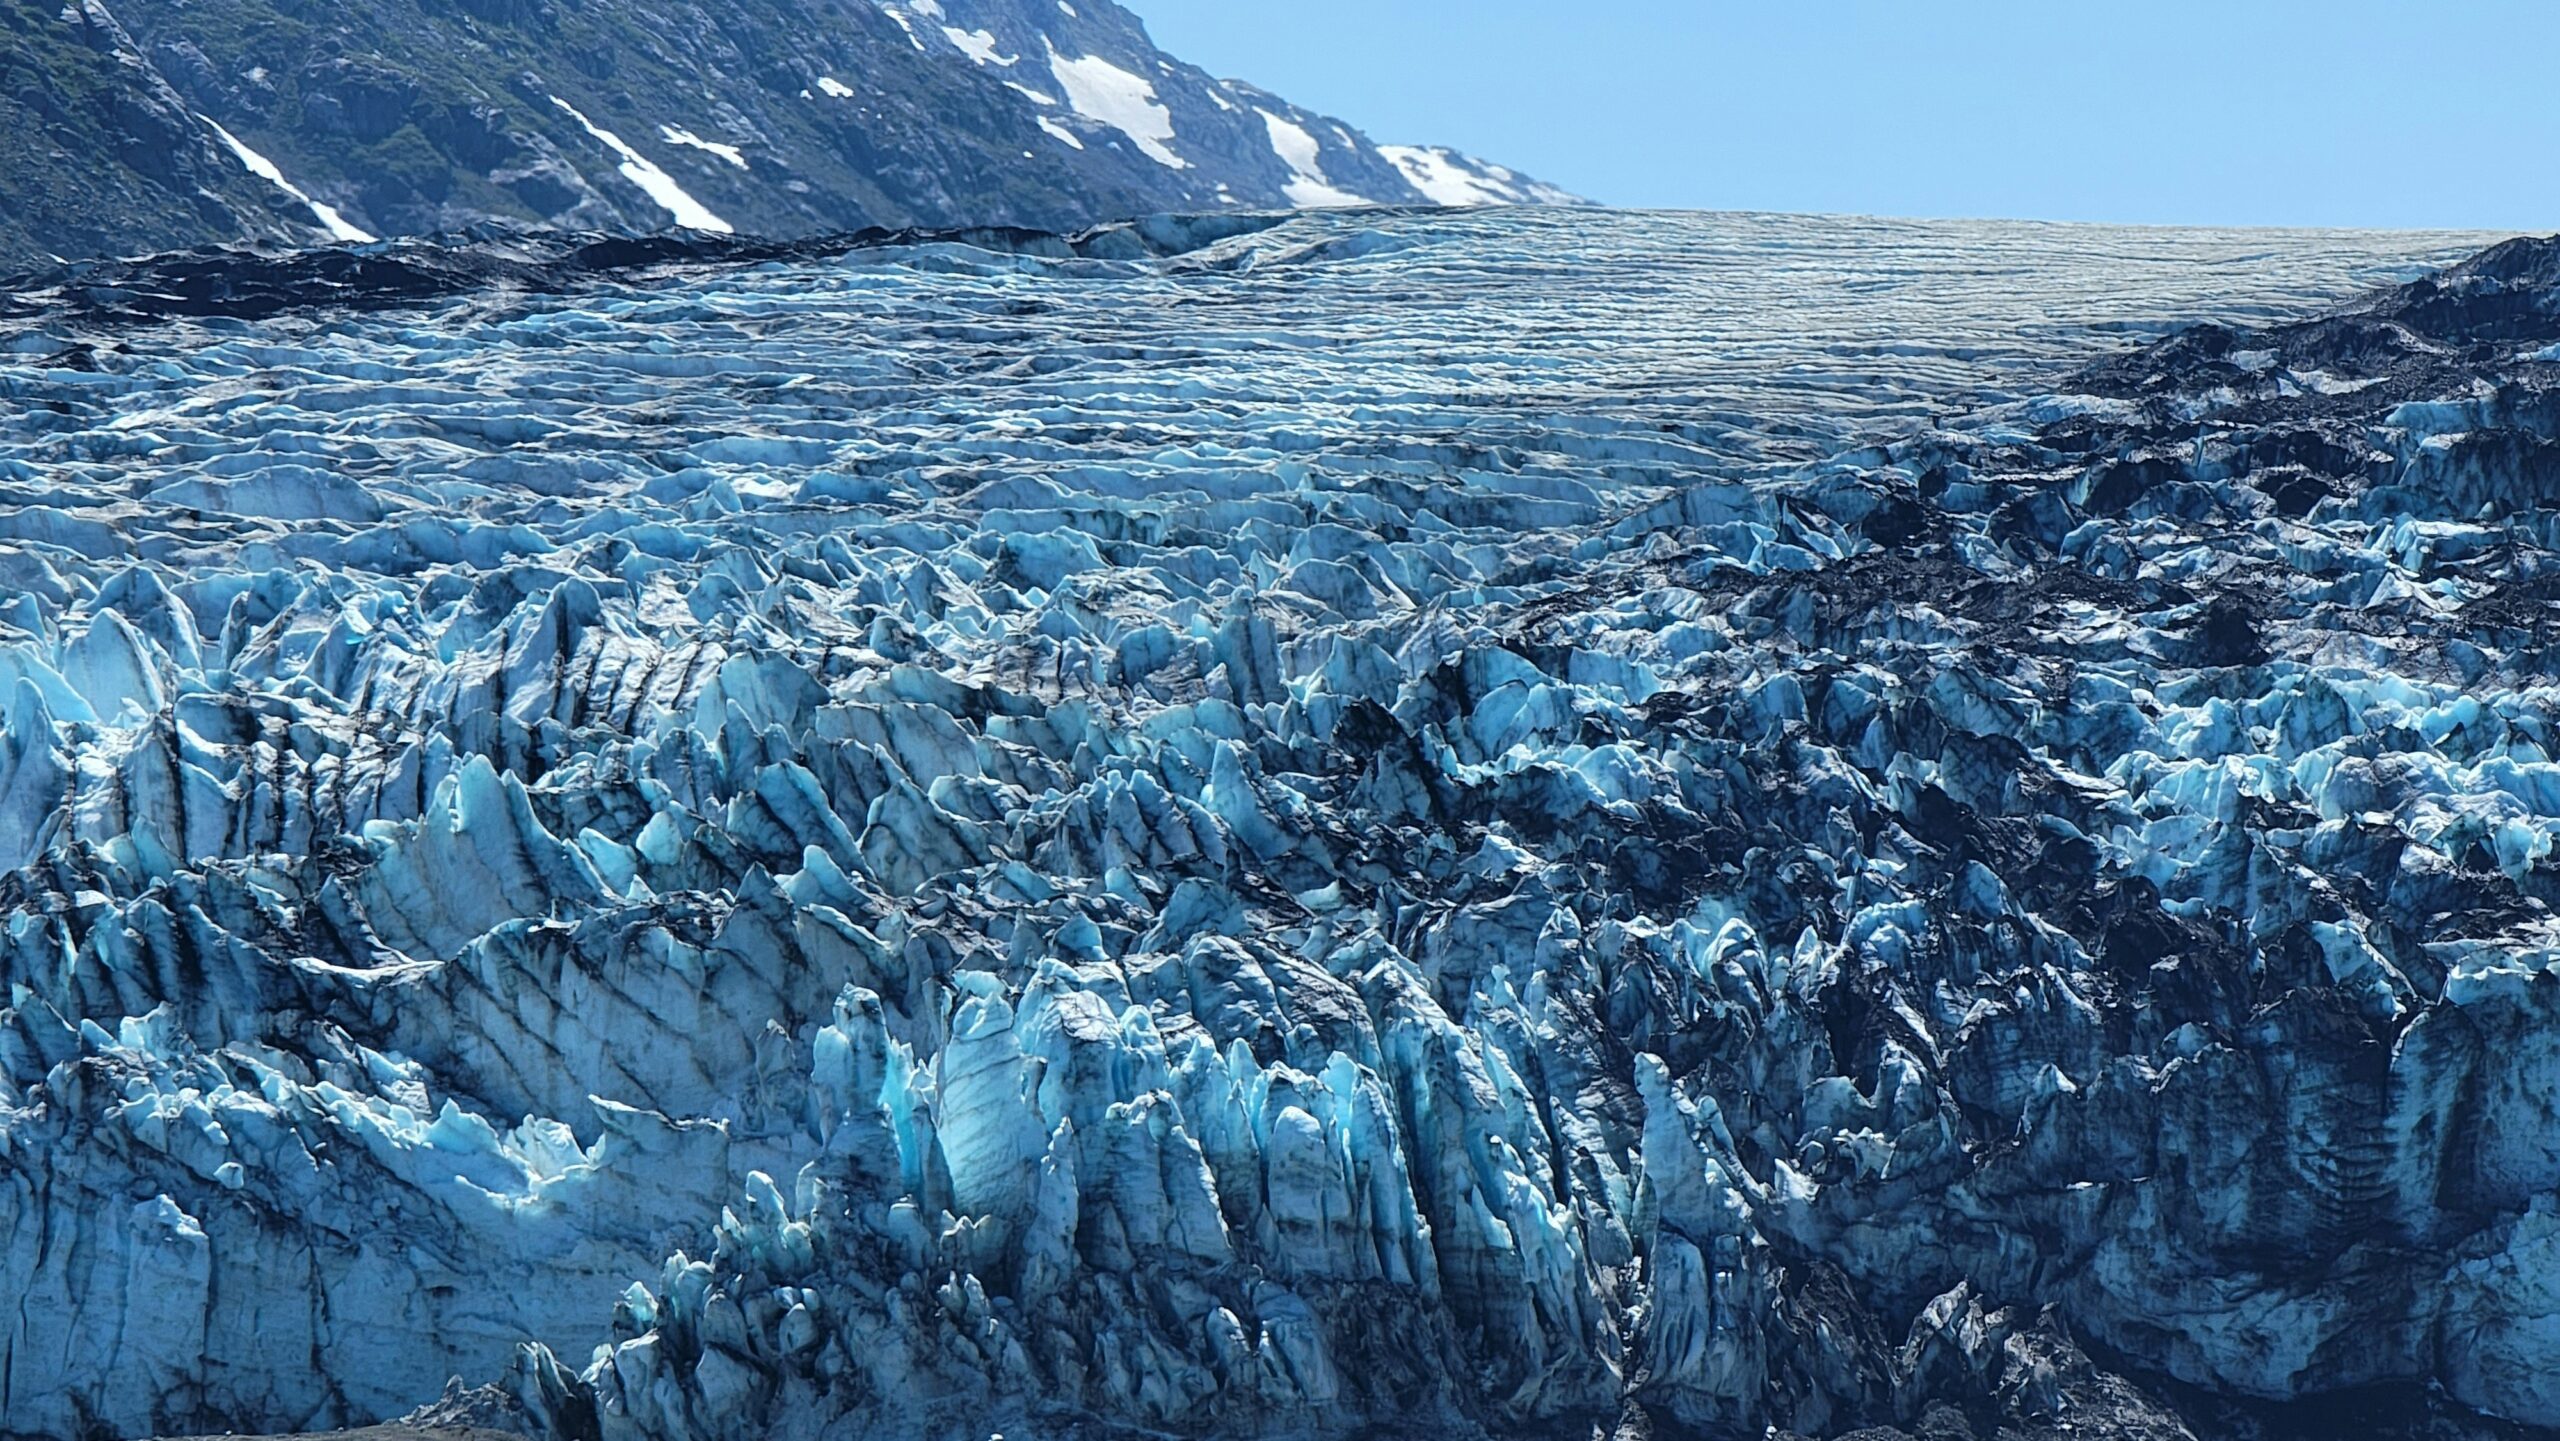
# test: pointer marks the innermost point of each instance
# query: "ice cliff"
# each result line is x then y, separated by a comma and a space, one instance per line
1523, 823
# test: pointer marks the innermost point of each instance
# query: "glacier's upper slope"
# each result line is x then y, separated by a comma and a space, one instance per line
1520, 819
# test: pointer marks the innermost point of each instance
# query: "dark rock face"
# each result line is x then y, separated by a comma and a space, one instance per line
98, 153
782, 118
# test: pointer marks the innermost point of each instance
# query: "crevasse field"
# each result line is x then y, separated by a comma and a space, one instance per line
1525, 822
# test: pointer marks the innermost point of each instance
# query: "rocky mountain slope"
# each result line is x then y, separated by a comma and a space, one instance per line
1521, 823
165, 123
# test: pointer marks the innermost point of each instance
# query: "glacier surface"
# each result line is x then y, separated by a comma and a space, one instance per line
1529, 822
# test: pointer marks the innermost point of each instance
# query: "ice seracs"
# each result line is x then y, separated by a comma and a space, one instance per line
1526, 823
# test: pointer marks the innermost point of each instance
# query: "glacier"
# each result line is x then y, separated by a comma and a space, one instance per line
1532, 822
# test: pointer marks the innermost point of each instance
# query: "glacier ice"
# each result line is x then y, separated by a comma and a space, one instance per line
1511, 820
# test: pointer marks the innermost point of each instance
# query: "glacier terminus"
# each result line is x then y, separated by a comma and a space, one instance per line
1497, 823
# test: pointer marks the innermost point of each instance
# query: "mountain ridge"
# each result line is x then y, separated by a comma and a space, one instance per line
165, 124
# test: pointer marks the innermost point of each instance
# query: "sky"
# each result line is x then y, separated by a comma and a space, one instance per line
2413, 114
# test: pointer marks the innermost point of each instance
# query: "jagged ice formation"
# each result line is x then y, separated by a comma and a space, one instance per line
1517, 821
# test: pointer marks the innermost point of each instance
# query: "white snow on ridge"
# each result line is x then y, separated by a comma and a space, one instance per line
1062, 132
907, 25
678, 135
1446, 177
835, 87
1443, 181
978, 45
640, 170
1299, 151
1100, 90
1034, 96
265, 169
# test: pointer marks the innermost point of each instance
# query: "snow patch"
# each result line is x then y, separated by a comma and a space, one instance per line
265, 169
904, 24
1297, 149
1100, 90
640, 170
978, 45
678, 135
1446, 177
1444, 182
1060, 131
1033, 95
837, 88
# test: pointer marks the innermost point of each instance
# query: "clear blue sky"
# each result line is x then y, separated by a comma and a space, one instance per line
2299, 112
